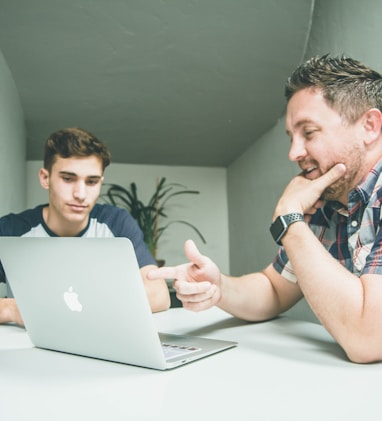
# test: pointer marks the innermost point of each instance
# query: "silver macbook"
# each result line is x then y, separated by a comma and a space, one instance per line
85, 296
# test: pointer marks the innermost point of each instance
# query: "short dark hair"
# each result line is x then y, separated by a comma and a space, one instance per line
74, 142
348, 86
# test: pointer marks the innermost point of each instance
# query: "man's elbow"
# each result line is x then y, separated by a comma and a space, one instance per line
363, 350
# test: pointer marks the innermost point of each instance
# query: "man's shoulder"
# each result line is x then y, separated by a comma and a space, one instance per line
102, 211
27, 214
19, 223
117, 220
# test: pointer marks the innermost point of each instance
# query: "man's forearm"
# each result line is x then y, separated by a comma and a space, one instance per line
157, 291
340, 300
249, 297
9, 312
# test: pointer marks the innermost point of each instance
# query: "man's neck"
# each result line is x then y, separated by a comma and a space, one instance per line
59, 226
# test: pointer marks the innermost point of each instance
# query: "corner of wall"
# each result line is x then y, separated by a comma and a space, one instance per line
13, 144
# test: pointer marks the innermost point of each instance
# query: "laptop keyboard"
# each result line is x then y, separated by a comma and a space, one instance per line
172, 351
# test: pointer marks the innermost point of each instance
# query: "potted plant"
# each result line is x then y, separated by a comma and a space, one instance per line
150, 215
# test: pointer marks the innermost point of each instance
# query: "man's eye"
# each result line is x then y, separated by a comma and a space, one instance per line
309, 133
67, 179
92, 182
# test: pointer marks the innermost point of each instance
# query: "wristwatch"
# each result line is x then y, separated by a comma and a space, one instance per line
281, 223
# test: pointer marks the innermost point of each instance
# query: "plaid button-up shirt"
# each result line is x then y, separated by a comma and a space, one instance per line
353, 236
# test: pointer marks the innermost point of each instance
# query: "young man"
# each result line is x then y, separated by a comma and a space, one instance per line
74, 164
327, 220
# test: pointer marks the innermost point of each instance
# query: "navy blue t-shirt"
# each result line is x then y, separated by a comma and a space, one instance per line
105, 221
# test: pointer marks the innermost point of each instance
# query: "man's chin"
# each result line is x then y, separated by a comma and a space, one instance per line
77, 217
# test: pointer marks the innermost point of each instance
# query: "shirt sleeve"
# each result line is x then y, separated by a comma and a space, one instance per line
122, 224
371, 255
283, 267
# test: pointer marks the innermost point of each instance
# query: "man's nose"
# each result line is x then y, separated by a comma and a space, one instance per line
80, 191
297, 150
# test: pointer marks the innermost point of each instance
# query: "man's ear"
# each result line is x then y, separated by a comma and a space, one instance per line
372, 125
44, 178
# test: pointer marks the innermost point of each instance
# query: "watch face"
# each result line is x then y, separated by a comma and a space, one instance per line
277, 229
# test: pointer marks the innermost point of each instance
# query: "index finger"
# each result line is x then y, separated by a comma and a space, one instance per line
165, 272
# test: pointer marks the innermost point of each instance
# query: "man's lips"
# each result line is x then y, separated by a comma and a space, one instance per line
311, 172
76, 207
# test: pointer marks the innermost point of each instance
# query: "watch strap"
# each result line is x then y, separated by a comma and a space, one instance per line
280, 226
290, 218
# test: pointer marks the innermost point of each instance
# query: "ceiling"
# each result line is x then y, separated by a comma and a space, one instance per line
168, 82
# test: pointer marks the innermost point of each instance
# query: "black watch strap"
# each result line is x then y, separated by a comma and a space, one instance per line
293, 217
280, 225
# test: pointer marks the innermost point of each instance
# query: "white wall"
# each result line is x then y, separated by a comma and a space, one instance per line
256, 179
207, 211
12, 147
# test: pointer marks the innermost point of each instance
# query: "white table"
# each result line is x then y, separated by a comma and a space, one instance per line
284, 369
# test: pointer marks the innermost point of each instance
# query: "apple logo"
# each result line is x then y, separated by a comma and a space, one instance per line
71, 300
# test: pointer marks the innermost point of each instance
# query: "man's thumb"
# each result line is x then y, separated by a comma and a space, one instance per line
334, 174
192, 252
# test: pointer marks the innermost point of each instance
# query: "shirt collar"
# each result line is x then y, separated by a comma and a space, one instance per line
367, 185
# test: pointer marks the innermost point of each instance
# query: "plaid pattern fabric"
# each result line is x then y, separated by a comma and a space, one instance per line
353, 235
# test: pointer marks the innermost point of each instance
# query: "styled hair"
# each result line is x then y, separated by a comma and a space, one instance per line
347, 85
75, 142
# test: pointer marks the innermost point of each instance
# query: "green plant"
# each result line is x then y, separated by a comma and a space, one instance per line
149, 216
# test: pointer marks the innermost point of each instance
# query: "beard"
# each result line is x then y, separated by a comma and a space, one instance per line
337, 190
353, 160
